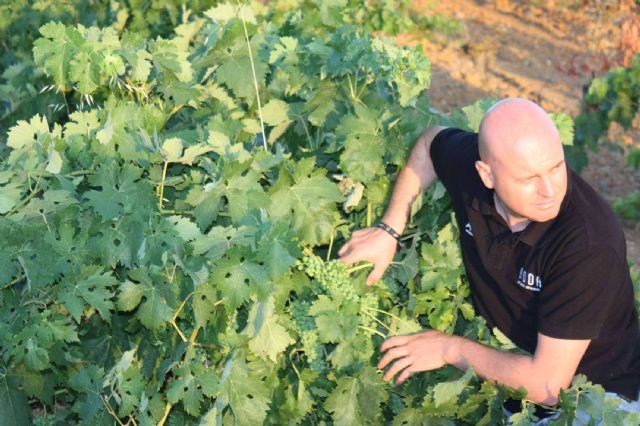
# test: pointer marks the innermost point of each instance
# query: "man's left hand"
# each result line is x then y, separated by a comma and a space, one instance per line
424, 351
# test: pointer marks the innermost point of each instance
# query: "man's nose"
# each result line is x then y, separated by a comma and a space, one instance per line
545, 186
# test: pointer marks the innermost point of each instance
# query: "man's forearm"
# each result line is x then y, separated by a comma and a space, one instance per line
513, 370
414, 178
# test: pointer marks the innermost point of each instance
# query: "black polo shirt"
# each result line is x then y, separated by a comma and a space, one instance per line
567, 278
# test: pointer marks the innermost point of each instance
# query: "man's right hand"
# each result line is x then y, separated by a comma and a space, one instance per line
373, 245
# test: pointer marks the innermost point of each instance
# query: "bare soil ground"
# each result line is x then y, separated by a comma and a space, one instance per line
546, 51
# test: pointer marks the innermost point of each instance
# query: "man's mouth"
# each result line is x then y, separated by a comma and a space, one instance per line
546, 205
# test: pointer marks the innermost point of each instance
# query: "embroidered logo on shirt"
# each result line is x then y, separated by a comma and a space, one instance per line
529, 281
467, 229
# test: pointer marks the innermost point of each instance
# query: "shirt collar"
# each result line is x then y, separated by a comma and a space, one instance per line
482, 202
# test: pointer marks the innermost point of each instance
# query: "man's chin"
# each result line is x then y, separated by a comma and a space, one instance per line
545, 216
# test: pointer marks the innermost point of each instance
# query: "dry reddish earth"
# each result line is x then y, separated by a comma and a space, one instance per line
546, 51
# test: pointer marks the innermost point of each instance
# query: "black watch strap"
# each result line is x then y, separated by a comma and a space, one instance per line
389, 230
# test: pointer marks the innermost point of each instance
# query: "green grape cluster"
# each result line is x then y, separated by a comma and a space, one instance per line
312, 265
336, 280
313, 350
319, 365
309, 340
333, 277
299, 310
367, 301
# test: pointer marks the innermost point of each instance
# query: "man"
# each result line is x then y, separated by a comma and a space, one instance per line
544, 254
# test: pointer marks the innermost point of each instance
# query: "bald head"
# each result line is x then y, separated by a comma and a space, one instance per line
512, 128
522, 160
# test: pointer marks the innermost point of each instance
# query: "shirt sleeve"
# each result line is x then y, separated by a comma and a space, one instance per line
578, 294
453, 154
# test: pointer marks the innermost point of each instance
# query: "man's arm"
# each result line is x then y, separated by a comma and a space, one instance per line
550, 369
374, 244
412, 180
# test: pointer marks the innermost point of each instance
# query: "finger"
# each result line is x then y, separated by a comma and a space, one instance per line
376, 274
397, 367
406, 373
352, 257
344, 248
395, 353
393, 342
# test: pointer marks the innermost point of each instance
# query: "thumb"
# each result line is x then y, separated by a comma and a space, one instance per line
376, 274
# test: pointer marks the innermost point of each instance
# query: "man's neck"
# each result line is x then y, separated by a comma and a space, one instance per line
515, 222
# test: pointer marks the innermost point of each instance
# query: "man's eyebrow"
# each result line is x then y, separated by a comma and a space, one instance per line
552, 167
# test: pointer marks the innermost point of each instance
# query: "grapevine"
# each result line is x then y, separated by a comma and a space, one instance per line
160, 266
612, 98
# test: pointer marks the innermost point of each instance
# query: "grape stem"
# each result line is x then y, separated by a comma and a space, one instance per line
187, 357
410, 236
378, 321
167, 410
394, 317
255, 79
161, 190
175, 316
306, 130
330, 247
35, 191
371, 330
176, 212
293, 364
110, 410
14, 281
359, 267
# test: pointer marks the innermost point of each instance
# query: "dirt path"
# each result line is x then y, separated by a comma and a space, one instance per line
544, 51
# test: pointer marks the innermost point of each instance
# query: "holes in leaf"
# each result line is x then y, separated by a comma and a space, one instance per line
228, 275
116, 242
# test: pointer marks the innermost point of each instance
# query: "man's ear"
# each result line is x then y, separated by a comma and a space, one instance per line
484, 170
